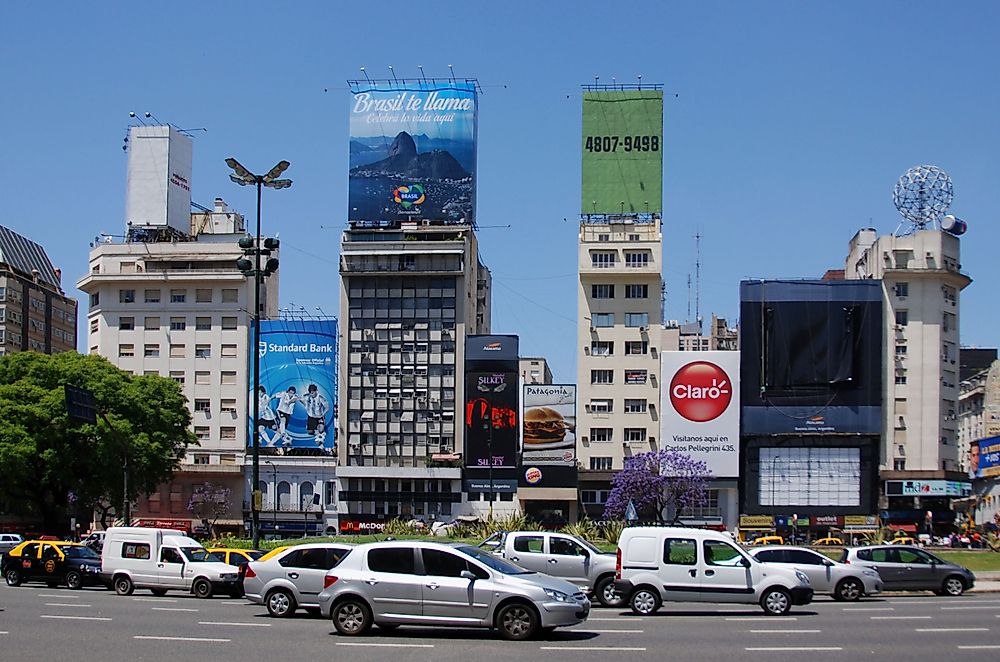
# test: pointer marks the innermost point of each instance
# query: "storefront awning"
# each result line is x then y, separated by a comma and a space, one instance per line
907, 528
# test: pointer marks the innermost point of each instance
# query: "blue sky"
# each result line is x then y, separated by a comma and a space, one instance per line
786, 125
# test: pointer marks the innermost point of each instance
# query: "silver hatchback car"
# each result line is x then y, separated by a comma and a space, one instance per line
389, 584
293, 578
842, 581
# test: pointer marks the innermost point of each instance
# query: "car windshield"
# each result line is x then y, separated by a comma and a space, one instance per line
254, 554
198, 554
75, 552
493, 562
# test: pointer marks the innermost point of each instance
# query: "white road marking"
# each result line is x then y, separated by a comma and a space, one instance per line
59, 595
982, 647
154, 600
952, 629
785, 631
762, 617
613, 620
4, 632
248, 625
868, 609
366, 645
794, 648
240, 604
964, 608
218, 641
78, 618
65, 604
610, 631
588, 648
172, 609
900, 618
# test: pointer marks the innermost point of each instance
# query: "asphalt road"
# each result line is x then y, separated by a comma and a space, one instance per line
38, 623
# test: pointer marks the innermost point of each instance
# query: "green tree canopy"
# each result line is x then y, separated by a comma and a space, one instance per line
52, 465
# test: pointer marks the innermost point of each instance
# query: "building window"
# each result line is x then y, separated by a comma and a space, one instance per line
600, 464
202, 323
602, 320
635, 434
602, 406
229, 351
636, 319
636, 347
899, 464
126, 323
95, 299
126, 350
227, 432
203, 296
202, 432
228, 377
202, 351
948, 323
602, 376
177, 351
228, 406
203, 406
637, 259
202, 377
151, 323
151, 351
900, 377
901, 289
601, 435
900, 350
636, 291
602, 259
902, 317
94, 325
126, 296
178, 323
178, 296
635, 376
602, 291
152, 296
177, 376
602, 348
635, 406
228, 323
230, 295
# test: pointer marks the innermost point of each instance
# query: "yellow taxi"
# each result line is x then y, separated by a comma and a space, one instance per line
829, 541
54, 562
768, 540
274, 552
237, 557
903, 540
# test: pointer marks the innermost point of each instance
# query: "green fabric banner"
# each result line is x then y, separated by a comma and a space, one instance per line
622, 152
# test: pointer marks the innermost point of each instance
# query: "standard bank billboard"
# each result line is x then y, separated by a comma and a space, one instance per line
413, 151
701, 408
297, 399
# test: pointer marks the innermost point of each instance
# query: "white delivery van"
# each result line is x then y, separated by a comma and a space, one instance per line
673, 564
162, 560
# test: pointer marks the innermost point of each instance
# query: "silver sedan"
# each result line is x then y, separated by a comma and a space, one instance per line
842, 581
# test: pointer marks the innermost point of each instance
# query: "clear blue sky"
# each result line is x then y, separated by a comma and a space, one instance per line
786, 126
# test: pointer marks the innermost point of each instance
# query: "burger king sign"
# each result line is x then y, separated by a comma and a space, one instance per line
701, 408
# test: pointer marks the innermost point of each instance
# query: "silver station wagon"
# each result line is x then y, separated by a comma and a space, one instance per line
388, 584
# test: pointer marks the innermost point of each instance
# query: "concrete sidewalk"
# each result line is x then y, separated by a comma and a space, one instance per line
987, 582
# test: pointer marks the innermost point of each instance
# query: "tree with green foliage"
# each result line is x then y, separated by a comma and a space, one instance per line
54, 467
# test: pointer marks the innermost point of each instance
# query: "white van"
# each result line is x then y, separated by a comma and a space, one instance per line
657, 564
163, 559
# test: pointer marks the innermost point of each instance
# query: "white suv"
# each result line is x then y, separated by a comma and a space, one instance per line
657, 564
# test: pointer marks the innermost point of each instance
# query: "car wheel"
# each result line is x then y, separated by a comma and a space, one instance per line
776, 602
351, 617
13, 578
953, 586
202, 588
158, 592
124, 585
606, 593
644, 601
848, 590
280, 603
74, 580
517, 621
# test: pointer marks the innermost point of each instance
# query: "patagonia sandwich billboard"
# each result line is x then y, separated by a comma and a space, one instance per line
701, 408
297, 398
548, 436
413, 150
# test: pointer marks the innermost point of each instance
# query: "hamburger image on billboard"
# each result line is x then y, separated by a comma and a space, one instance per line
549, 425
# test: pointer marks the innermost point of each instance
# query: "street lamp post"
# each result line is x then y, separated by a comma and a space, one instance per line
244, 177
274, 501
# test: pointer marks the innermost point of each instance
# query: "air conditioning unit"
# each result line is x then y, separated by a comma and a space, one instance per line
585, 439
652, 440
643, 329
586, 350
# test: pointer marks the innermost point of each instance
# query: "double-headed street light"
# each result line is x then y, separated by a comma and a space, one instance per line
244, 177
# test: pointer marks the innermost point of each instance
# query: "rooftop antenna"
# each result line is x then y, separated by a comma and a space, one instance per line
366, 75
689, 297
697, 278
150, 115
136, 117
922, 196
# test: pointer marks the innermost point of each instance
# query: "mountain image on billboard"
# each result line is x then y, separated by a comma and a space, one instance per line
297, 398
413, 151
622, 152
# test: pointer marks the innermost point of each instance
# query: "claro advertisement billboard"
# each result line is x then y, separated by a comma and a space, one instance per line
622, 152
297, 399
413, 151
701, 408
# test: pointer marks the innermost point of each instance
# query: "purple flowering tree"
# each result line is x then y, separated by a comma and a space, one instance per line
660, 484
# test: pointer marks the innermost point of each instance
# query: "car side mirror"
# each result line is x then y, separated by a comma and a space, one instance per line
745, 562
828, 564
467, 574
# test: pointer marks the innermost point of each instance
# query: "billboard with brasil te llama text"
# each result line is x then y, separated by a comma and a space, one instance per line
622, 152
297, 398
413, 150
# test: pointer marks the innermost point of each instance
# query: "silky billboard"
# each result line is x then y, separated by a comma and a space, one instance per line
297, 398
413, 151
622, 152
701, 408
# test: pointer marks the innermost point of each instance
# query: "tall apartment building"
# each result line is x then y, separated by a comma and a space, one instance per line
534, 370
35, 313
177, 306
410, 294
688, 337
618, 366
979, 429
